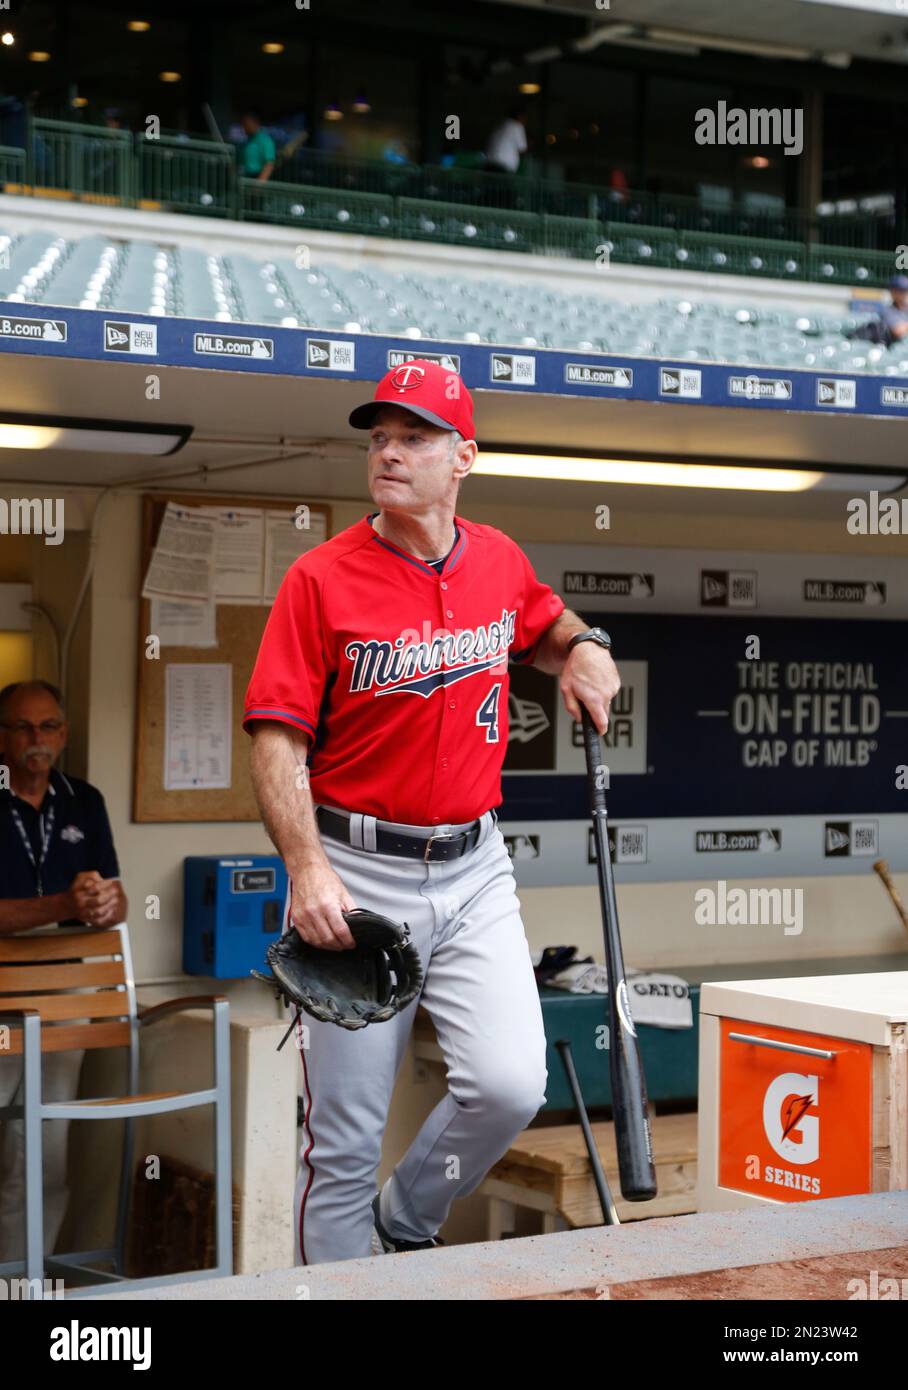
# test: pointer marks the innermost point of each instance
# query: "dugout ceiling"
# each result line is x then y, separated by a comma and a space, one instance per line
238, 418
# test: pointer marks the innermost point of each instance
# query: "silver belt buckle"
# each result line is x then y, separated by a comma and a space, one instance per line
432, 838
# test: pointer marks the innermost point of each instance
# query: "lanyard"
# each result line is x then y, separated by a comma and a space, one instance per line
46, 831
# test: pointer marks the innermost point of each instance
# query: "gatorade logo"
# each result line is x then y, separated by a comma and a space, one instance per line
793, 1133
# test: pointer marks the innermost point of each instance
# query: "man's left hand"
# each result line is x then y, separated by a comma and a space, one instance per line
589, 677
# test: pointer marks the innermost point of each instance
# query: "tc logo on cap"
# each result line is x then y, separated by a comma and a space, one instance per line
408, 378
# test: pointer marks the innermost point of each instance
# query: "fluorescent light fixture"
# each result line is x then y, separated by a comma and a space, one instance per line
869, 6
641, 39
605, 33
729, 45
93, 436
732, 475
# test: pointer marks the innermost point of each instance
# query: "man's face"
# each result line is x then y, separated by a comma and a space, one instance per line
250, 125
899, 298
411, 465
33, 734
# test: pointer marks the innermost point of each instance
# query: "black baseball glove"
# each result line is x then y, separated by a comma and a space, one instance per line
368, 983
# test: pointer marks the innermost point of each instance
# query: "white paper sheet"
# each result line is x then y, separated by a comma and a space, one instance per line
179, 624
182, 565
198, 725
238, 554
285, 542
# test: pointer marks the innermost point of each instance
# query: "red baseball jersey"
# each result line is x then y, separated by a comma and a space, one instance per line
400, 674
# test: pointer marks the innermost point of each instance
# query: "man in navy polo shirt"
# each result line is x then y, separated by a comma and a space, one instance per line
57, 864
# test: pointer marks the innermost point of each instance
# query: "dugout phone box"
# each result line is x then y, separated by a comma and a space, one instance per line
803, 1089
233, 908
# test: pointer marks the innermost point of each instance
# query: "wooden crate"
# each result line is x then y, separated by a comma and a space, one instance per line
548, 1170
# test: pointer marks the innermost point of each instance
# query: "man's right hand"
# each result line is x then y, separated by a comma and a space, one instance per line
317, 899
91, 897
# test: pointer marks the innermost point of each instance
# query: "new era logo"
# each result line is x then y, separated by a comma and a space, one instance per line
140, 338
680, 381
728, 588
836, 391
331, 354
838, 839
508, 366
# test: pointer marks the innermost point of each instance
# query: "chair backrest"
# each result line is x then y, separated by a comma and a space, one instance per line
80, 982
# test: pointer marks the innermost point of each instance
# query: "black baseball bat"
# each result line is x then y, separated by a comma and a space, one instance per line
609, 1213
629, 1104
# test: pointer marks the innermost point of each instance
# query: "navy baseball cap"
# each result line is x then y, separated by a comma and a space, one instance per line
899, 282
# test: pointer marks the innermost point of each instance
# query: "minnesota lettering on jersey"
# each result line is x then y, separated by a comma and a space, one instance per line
445, 658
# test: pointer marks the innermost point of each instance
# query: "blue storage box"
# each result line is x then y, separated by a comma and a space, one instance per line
233, 908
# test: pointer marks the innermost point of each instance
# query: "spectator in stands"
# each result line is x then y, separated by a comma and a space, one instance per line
57, 865
113, 118
618, 186
508, 142
395, 152
258, 154
891, 323
894, 316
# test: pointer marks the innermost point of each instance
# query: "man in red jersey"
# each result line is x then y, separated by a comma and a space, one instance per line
385, 664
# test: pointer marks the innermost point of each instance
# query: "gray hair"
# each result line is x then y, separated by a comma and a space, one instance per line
9, 691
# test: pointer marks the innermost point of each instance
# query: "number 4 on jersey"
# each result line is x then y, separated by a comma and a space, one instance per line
487, 714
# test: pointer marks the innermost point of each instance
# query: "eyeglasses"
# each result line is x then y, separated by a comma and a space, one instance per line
22, 726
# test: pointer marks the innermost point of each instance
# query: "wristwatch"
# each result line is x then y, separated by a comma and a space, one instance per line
593, 634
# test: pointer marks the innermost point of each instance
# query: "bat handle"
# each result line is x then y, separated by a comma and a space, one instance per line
593, 748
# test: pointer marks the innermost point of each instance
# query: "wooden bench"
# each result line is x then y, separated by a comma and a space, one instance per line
547, 1169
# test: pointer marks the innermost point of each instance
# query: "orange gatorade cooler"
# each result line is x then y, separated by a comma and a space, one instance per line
803, 1089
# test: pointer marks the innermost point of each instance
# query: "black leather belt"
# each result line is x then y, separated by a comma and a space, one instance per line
432, 850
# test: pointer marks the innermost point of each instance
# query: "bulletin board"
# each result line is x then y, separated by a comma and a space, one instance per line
239, 628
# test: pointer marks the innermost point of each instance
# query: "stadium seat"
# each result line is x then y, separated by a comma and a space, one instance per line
144, 277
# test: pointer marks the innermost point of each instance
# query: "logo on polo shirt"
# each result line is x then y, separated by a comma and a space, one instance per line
71, 834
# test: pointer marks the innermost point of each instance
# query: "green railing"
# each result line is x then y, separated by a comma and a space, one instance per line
457, 204
187, 175
322, 208
12, 165
91, 161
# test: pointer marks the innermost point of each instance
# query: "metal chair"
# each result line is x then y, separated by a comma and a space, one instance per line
74, 989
